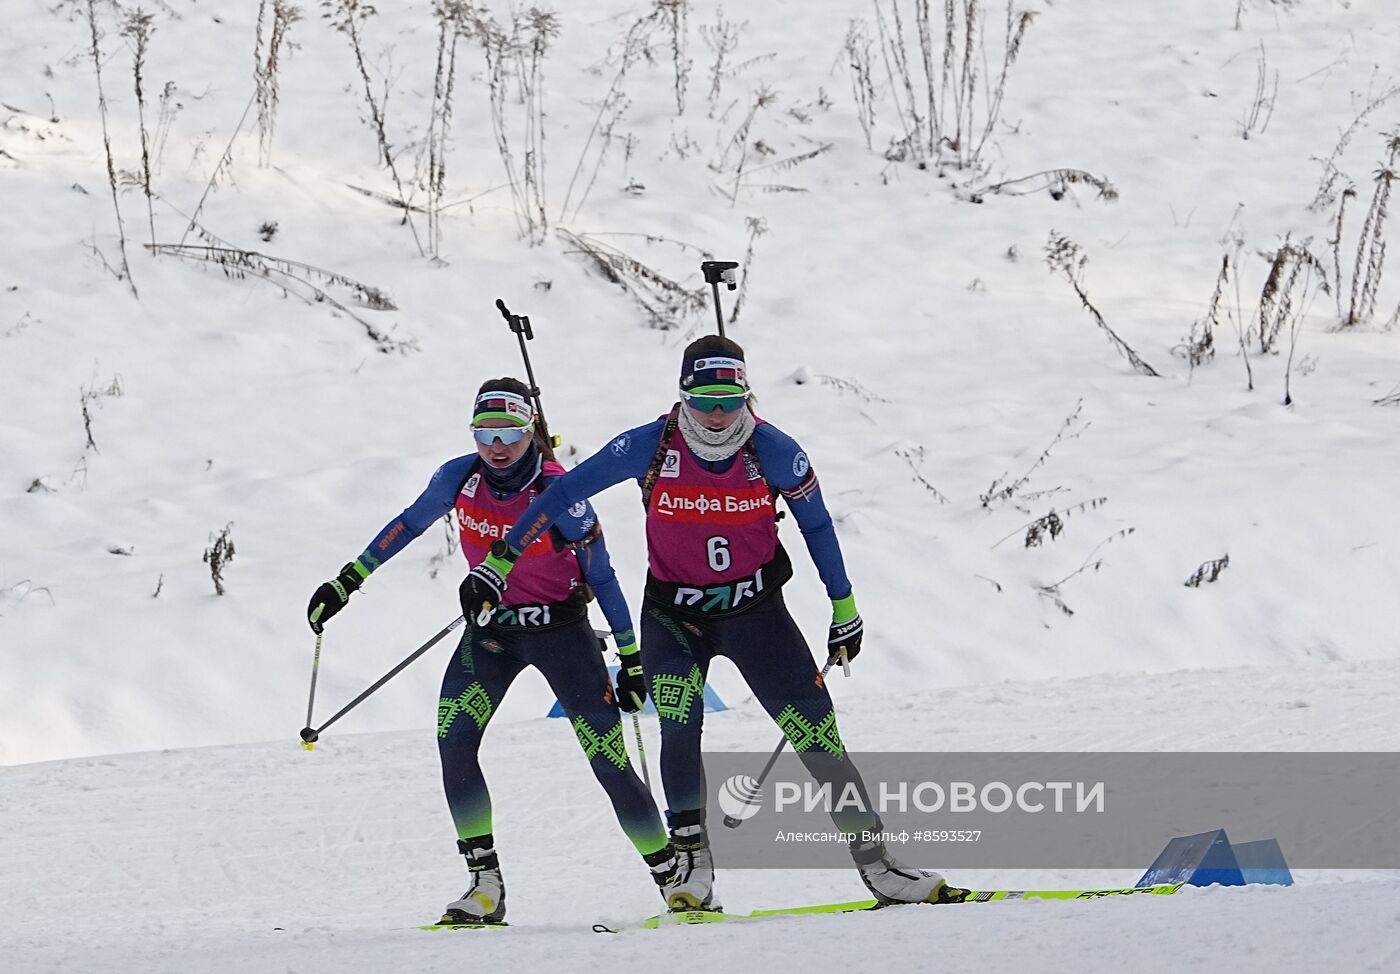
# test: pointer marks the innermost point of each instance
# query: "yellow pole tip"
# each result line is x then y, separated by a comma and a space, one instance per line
308, 745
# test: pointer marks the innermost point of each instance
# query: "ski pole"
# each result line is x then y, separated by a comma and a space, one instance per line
641, 751
716, 271
730, 822
520, 325
311, 699
602, 637
310, 735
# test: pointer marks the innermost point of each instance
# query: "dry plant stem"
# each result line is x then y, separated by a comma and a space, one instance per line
83, 399
1208, 572
1241, 330
1370, 247
763, 97
1052, 591
963, 74
1294, 327
1276, 305
291, 275
1330, 173
265, 65
107, 145
1016, 26
1200, 346
897, 72
543, 27
613, 105
1336, 244
1261, 109
924, 28
945, 72
224, 160
1064, 255
967, 77
138, 29
862, 84
855, 388
169, 108
353, 14
676, 14
1056, 182
723, 40
915, 458
666, 302
1091, 505
998, 491
217, 556
757, 227
453, 23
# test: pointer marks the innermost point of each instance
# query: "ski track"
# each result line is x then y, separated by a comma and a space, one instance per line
192, 859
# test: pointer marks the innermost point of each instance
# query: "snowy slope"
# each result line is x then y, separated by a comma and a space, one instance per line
914, 341
264, 857
240, 405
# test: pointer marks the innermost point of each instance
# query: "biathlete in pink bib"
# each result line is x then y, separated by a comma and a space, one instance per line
711, 473
542, 622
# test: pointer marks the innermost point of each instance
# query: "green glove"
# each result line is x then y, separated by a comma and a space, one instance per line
330, 597
846, 629
481, 591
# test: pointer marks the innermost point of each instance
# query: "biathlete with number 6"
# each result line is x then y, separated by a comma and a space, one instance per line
711, 472
543, 622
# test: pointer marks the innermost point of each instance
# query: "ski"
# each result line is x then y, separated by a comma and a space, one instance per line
465, 926
689, 917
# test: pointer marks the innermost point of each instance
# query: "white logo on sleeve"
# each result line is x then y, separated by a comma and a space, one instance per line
800, 465
671, 466
579, 509
621, 445
472, 481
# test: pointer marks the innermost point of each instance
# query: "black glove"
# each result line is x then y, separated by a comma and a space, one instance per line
330, 597
484, 585
631, 681
845, 634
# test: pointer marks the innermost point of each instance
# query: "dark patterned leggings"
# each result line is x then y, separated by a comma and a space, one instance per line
766, 646
485, 664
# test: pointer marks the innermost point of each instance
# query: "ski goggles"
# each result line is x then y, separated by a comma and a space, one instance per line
707, 402
509, 435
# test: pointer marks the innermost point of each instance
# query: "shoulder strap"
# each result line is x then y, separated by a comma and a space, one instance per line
658, 459
750, 451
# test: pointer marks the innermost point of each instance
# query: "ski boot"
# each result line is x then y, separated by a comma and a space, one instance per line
484, 902
892, 882
691, 884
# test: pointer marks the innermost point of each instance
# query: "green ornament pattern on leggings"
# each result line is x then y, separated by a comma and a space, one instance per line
474, 702
804, 735
674, 695
609, 744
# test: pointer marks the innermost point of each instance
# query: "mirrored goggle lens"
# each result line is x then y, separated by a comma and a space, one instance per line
707, 404
509, 435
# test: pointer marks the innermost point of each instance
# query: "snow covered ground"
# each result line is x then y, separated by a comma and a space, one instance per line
914, 341
265, 857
